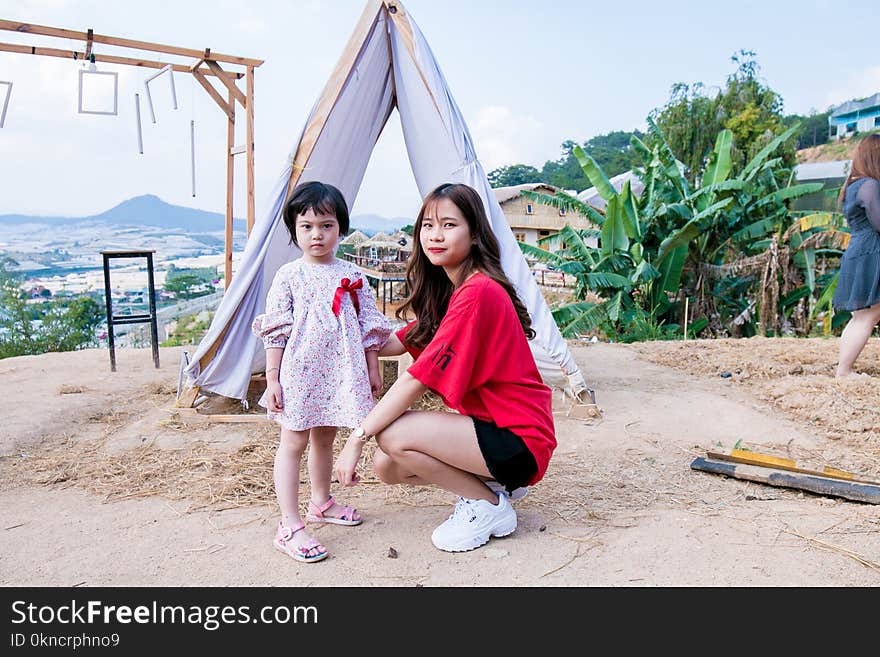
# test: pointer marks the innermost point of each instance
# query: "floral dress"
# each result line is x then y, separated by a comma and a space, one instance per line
325, 317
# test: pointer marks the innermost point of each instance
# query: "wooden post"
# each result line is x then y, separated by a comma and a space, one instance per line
249, 109
230, 172
686, 318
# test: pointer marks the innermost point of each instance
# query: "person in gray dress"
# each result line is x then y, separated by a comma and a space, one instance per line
858, 287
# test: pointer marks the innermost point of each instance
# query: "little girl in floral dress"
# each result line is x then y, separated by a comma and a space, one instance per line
322, 332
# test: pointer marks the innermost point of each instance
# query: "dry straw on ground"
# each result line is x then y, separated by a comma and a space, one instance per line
794, 376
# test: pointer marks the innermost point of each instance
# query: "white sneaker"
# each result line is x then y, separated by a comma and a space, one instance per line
516, 495
473, 522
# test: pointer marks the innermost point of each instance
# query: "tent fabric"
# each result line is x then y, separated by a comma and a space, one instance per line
392, 67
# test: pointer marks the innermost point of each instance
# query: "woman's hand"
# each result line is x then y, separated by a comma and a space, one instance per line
273, 397
347, 462
375, 381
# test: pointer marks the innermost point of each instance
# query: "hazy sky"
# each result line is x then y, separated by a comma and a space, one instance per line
526, 75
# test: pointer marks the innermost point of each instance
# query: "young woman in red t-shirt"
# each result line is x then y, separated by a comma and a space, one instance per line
470, 345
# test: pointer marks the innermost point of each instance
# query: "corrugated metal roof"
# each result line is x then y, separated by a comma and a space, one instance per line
591, 195
851, 106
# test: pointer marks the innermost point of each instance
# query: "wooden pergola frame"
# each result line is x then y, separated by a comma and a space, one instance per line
205, 66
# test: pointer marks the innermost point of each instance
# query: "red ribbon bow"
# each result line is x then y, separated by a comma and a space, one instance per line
347, 286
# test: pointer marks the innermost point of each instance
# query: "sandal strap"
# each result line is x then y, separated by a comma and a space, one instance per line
318, 509
348, 513
288, 532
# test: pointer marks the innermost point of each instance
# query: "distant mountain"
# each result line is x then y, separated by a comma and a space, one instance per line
150, 210
370, 224
147, 210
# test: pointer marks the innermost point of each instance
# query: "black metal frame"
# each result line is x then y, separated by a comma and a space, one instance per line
131, 319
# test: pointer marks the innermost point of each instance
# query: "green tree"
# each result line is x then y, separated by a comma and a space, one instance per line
188, 283
71, 325
58, 325
515, 174
752, 111
814, 128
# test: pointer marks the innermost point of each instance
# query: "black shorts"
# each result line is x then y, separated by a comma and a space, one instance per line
509, 460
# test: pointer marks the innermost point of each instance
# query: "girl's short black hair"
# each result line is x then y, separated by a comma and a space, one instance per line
321, 199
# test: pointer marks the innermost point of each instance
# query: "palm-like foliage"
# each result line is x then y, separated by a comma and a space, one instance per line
660, 245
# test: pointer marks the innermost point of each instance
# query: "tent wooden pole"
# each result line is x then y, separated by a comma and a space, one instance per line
106, 59
30, 28
230, 172
398, 17
249, 112
332, 90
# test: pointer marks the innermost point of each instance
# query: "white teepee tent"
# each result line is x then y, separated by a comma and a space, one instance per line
386, 64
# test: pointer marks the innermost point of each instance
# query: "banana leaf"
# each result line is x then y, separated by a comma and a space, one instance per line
599, 279
670, 276
561, 200
787, 193
542, 255
719, 161
695, 328
613, 232
579, 317
765, 152
595, 174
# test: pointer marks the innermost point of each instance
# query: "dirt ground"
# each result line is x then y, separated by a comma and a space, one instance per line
101, 483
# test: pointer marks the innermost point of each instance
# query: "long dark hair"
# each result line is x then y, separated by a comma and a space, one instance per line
865, 162
430, 287
320, 198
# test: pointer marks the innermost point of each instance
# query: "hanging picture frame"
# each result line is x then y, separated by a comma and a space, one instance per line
4, 104
91, 76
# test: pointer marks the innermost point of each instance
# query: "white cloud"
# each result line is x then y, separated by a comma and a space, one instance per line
857, 84
503, 137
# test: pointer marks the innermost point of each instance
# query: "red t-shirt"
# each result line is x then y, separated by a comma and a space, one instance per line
480, 364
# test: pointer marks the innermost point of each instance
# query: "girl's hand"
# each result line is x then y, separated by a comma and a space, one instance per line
375, 381
346, 465
273, 397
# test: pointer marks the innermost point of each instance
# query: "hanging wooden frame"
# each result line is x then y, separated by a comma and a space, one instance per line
84, 72
5, 104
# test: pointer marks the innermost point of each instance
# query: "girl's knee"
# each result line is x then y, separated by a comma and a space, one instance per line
295, 441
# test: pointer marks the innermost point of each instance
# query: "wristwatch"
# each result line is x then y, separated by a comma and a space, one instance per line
361, 434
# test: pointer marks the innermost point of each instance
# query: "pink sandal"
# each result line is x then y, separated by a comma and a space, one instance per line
300, 553
348, 517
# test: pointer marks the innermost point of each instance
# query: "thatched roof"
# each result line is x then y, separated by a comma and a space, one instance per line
355, 238
400, 241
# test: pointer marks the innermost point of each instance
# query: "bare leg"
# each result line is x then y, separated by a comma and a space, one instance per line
321, 462
437, 448
321, 468
287, 462
855, 337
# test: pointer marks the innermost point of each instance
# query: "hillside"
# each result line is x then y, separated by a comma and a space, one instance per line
150, 210
832, 151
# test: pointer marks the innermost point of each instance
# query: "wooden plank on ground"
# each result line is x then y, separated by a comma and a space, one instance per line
860, 492
192, 415
767, 460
